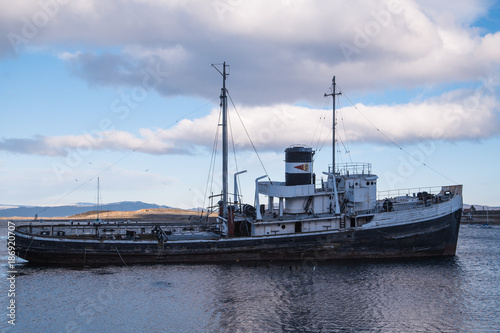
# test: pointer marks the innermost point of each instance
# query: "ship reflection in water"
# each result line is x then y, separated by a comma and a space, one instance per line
441, 294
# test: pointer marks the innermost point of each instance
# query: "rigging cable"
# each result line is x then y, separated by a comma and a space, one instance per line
346, 145
249, 138
232, 141
128, 154
211, 169
326, 139
234, 151
393, 142
322, 120
343, 145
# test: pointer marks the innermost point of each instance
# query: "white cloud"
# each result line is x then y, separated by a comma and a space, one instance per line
280, 51
67, 56
456, 115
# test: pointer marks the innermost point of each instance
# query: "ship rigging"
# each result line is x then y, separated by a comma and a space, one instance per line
341, 218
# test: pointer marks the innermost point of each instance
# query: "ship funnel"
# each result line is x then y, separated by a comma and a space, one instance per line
298, 165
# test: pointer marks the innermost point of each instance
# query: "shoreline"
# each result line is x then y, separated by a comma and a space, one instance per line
172, 215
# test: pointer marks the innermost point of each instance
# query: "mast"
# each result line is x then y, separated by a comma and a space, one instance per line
224, 143
223, 102
334, 181
333, 94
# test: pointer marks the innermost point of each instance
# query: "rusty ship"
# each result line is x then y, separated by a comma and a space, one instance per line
343, 217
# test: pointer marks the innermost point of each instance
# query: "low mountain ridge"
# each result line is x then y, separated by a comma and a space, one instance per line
68, 210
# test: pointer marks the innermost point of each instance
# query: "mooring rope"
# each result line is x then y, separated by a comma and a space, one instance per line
121, 257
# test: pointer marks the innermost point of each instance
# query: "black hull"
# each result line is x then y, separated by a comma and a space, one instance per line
435, 237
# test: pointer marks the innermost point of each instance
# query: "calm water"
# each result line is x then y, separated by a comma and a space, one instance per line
460, 294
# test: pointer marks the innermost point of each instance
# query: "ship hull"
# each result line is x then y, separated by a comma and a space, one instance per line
432, 237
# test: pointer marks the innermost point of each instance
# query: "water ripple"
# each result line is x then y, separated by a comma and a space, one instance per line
458, 294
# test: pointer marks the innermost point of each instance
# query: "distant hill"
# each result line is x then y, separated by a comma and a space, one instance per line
58, 211
125, 206
481, 207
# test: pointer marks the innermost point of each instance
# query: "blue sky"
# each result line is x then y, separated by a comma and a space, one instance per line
125, 91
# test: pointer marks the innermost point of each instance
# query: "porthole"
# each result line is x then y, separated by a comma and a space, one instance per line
283, 226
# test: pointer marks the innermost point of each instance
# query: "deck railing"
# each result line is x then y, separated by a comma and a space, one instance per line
120, 230
404, 199
346, 169
407, 192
